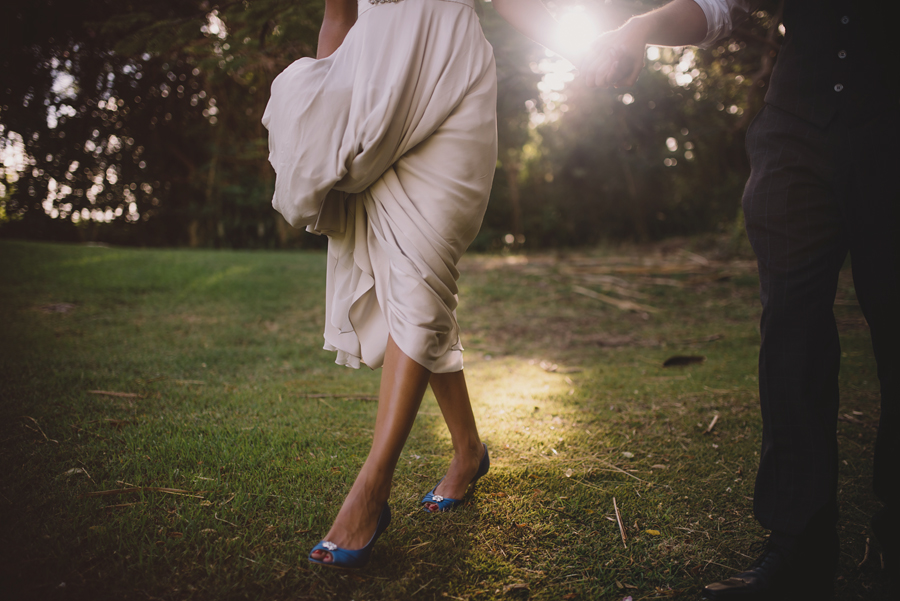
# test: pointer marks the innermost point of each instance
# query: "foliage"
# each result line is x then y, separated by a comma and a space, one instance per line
664, 158
134, 112
220, 349
140, 123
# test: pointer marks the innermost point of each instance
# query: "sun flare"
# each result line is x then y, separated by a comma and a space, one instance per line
576, 30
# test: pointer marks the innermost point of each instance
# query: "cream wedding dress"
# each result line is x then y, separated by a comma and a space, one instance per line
388, 147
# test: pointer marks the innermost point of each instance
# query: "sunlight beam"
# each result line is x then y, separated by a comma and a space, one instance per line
576, 30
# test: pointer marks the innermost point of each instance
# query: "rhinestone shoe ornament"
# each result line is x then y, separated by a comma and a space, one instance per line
352, 558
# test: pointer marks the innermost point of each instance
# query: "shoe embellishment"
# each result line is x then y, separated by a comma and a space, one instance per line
352, 558
437, 498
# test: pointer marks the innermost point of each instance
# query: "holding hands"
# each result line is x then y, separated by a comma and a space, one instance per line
617, 57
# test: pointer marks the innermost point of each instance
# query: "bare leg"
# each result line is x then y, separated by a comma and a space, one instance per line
453, 399
403, 383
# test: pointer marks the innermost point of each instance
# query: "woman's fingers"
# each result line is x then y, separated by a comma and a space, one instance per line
612, 66
601, 65
626, 72
636, 69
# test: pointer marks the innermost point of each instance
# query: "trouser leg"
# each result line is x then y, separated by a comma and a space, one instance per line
872, 209
794, 223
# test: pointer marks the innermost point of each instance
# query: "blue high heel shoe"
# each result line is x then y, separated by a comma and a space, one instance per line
352, 558
446, 503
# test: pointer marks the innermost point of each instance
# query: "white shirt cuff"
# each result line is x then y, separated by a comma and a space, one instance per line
721, 17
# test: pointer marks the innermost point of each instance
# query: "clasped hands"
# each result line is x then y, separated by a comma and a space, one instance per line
615, 59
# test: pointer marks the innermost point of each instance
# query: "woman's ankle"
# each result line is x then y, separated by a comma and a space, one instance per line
471, 448
374, 483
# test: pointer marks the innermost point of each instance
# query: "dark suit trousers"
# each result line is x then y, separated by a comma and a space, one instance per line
813, 195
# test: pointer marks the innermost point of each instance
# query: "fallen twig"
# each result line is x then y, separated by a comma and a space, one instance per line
216, 515
40, 430
712, 424
118, 423
710, 338
127, 395
624, 305
121, 491
695, 531
122, 505
77, 429
721, 565
349, 397
588, 484
865, 558
413, 596
850, 419
84, 469
728, 390
618, 469
619, 520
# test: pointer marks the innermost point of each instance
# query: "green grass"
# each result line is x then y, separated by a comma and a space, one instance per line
220, 350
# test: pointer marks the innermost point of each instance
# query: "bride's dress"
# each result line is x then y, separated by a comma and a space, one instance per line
388, 147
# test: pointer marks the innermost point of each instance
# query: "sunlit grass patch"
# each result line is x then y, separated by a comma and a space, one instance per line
230, 438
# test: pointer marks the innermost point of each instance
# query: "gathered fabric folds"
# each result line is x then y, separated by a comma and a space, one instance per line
388, 147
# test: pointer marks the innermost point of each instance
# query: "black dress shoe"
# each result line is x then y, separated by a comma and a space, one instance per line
799, 569
761, 578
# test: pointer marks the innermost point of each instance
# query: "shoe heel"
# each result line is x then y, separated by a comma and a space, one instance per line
446, 503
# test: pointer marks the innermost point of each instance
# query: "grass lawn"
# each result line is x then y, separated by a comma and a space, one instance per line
225, 440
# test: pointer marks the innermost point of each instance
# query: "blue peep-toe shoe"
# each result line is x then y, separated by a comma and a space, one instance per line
446, 503
352, 558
